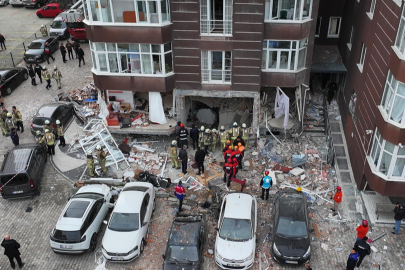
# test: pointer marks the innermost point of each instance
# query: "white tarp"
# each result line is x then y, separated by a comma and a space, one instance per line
103, 106
156, 112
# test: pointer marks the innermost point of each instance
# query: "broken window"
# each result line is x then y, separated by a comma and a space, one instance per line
296, 10
334, 26
400, 41
216, 66
216, 17
393, 100
318, 26
284, 54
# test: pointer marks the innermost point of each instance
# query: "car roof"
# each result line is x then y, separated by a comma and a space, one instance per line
291, 203
137, 186
74, 223
40, 40
184, 233
48, 109
238, 205
129, 202
53, 4
100, 189
17, 160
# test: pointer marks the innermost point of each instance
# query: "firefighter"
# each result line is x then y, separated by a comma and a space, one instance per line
234, 132
3, 127
228, 171
201, 137
90, 164
49, 138
227, 153
9, 122
43, 31
183, 134
207, 139
47, 126
173, 155
237, 155
47, 77
61, 133
266, 184
223, 136
241, 149
214, 142
101, 157
56, 75
244, 132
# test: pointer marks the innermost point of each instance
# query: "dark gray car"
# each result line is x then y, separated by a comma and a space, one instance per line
62, 111
36, 50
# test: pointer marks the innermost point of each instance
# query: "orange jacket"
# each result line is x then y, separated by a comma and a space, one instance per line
362, 231
338, 196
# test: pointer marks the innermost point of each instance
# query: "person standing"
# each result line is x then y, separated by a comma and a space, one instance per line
266, 184
228, 171
227, 153
183, 156
399, 215
69, 49
3, 127
90, 164
48, 126
363, 248
31, 72
362, 230
11, 247
237, 155
56, 75
14, 137
177, 129
47, 77
352, 260
63, 52
201, 137
38, 70
337, 199
223, 136
3, 118
207, 140
61, 133
49, 138
180, 193
244, 132
241, 149
102, 158
17, 118
75, 48
80, 53
214, 136
9, 122
194, 135
48, 53
2, 42
199, 159
173, 155
1, 100
331, 92
235, 166
43, 31
183, 133
234, 132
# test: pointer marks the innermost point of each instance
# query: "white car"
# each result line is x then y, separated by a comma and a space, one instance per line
80, 221
127, 229
235, 243
4, 2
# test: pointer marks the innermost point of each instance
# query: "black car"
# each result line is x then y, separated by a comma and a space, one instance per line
291, 234
36, 50
22, 170
186, 243
10, 78
62, 111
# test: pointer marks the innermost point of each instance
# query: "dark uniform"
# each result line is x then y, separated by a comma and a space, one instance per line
363, 248
194, 136
61, 135
228, 171
31, 72
48, 53
38, 70
227, 154
183, 133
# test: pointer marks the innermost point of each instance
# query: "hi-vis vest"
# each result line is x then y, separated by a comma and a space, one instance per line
49, 137
266, 182
223, 135
245, 133
235, 132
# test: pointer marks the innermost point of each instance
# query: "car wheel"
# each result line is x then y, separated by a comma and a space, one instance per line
142, 247
154, 206
25, 76
8, 91
93, 243
39, 15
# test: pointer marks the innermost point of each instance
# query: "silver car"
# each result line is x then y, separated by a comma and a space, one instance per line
4, 2
16, 3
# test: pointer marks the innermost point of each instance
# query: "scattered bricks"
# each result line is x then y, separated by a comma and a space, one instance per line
171, 199
187, 207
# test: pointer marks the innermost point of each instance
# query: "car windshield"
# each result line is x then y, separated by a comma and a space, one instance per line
236, 229
58, 24
123, 222
18, 179
287, 226
36, 45
67, 235
292, 222
182, 253
93, 196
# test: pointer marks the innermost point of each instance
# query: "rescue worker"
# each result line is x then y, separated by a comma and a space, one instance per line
241, 149
234, 132
337, 198
207, 140
214, 142
173, 155
201, 137
194, 135
235, 166
43, 31
223, 136
9, 122
47, 126
238, 140
3, 118
49, 138
90, 164
17, 118
61, 133
38, 136
228, 171
177, 129
238, 155
56, 75
228, 144
38, 71
266, 184
48, 53
363, 248
3, 127
31, 72
183, 133
244, 133
227, 153
47, 77
101, 157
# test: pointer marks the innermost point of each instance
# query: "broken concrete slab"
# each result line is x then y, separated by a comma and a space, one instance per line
297, 171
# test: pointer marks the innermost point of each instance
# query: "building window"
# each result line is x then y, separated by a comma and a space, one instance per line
132, 58
293, 10
360, 65
388, 158
318, 27
334, 26
393, 100
284, 55
128, 11
216, 66
400, 41
372, 6
216, 17
351, 39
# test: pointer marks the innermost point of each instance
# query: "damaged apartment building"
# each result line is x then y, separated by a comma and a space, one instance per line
210, 62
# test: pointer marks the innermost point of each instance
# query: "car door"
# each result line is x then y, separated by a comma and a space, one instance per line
54, 11
145, 216
95, 217
66, 113
12, 79
38, 152
103, 209
51, 42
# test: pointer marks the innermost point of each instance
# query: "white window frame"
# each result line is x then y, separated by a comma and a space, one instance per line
207, 23
206, 68
318, 27
399, 46
340, 25
363, 53
297, 49
370, 14
389, 99
292, 15
349, 45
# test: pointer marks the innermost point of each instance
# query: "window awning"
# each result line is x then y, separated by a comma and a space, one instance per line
327, 59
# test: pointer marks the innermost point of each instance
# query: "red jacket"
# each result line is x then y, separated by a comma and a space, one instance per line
338, 196
229, 168
179, 192
362, 231
236, 154
227, 154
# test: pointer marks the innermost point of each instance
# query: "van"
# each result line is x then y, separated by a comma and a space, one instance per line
22, 170
59, 29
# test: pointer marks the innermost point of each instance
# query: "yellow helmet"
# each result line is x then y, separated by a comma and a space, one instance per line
299, 189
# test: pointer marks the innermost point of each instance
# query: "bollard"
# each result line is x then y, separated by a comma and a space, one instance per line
12, 59
24, 47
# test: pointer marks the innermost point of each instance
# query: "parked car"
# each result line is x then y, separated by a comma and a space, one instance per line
76, 230
50, 10
184, 250
127, 229
35, 3
15, 3
62, 111
59, 29
4, 2
10, 78
22, 170
235, 242
36, 50
291, 236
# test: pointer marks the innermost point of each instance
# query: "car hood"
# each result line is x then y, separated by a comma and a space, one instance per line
120, 242
34, 52
291, 247
173, 266
234, 250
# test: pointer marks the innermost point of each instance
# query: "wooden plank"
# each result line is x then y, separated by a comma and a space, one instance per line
316, 230
251, 164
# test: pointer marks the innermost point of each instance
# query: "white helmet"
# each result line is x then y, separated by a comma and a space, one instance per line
57, 122
42, 25
243, 125
214, 130
55, 67
207, 130
222, 127
98, 147
174, 142
235, 124
38, 132
46, 130
44, 68
46, 122
202, 128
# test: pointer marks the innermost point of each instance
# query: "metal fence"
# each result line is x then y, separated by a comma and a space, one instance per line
328, 132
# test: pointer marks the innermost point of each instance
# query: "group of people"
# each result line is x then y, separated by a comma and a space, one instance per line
101, 158
233, 158
10, 123
39, 71
49, 135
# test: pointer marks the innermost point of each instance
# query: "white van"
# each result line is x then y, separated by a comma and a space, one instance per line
59, 29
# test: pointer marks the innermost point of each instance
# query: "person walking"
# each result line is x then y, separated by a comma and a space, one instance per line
183, 156
173, 155
17, 118
90, 164
49, 138
3, 42
235, 166
363, 248
180, 193
63, 52
3, 118
56, 75
31, 72
207, 140
399, 215
3, 127
48, 53
14, 137
69, 49
80, 54
266, 184
11, 247
47, 77
43, 31
234, 132
199, 159
183, 134
61, 133
228, 171
38, 70
194, 135
362, 230
352, 260
102, 158
337, 199
75, 46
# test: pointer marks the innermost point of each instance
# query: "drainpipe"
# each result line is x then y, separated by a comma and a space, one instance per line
303, 108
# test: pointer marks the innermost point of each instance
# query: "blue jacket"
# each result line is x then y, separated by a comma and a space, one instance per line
266, 182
